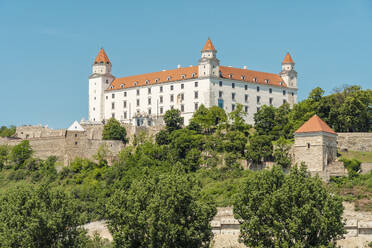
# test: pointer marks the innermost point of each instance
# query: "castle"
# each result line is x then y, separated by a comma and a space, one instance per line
142, 100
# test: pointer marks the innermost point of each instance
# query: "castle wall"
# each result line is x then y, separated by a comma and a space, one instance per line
313, 156
355, 141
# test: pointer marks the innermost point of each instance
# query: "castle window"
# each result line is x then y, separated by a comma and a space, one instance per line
292, 94
270, 90
243, 77
196, 106
147, 81
183, 76
75, 135
182, 86
122, 86
169, 78
258, 89
149, 111
196, 94
182, 108
113, 105
233, 85
106, 97
258, 99
284, 101
135, 83
308, 145
171, 107
246, 98
220, 94
94, 109
171, 87
161, 99
232, 107
113, 96
171, 98
125, 115
284, 92
95, 98
196, 84
193, 75
161, 88
254, 79
149, 101
246, 87
125, 93
220, 83
156, 80
258, 109
149, 90
233, 96
138, 92
125, 104
161, 110
106, 81
138, 102
230, 75
113, 115
76, 143
182, 97
246, 109
267, 81
271, 101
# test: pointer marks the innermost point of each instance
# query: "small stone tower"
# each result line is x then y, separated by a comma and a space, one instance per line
208, 63
315, 143
99, 81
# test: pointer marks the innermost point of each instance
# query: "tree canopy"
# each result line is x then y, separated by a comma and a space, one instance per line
112, 130
294, 210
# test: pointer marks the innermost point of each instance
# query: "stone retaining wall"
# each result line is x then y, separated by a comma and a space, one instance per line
355, 141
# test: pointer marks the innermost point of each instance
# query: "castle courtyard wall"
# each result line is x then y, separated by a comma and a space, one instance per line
355, 141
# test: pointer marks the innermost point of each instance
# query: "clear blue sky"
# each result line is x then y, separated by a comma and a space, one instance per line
47, 47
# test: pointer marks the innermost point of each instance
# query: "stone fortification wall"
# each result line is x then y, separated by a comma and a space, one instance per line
355, 141
29, 132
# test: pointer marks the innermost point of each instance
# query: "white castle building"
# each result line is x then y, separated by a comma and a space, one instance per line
144, 99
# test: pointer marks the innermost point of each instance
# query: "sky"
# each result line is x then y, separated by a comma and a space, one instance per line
47, 47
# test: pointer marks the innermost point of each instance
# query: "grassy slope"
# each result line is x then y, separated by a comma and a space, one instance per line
364, 157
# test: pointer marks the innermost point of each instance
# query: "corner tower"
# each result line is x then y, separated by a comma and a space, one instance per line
288, 73
99, 81
208, 63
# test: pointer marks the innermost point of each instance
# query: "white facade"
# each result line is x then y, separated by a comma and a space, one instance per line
143, 99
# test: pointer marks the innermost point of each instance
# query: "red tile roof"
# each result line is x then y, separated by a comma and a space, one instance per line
102, 57
251, 76
315, 124
155, 78
209, 46
288, 59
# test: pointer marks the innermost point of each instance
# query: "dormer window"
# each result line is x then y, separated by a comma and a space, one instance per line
169, 78
135, 83
243, 77
183, 76
254, 79
193, 75
106, 81
122, 86
156, 80
267, 81
112, 87
230, 75
281, 83
147, 81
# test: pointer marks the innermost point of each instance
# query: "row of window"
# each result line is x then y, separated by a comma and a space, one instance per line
258, 88
161, 110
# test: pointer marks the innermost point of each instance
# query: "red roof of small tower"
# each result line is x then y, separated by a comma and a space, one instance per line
102, 57
288, 59
315, 124
209, 46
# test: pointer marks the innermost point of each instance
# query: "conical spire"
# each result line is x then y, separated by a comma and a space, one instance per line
102, 57
315, 124
288, 59
209, 46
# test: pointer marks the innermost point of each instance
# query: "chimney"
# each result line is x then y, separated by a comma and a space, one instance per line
178, 66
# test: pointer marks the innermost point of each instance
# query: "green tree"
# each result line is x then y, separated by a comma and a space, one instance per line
7, 132
207, 119
259, 148
4, 153
20, 153
281, 152
237, 120
39, 217
112, 130
162, 137
160, 211
173, 120
293, 210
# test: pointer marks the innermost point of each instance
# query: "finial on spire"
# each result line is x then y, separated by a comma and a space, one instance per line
288, 59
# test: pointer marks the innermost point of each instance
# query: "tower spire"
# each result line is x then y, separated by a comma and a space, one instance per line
209, 46
288, 59
102, 57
